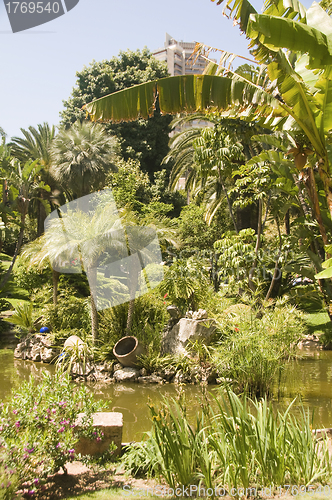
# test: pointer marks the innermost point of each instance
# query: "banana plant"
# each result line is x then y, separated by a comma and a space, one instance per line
293, 89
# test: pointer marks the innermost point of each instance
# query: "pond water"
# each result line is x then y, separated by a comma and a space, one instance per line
308, 379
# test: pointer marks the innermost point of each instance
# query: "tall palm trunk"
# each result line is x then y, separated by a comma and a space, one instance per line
17, 249
55, 278
92, 277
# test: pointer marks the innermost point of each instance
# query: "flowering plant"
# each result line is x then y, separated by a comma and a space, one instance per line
38, 429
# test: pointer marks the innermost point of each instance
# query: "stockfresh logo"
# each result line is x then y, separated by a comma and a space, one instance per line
25, 15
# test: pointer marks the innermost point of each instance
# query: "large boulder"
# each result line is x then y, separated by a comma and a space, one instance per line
36, 348
177, 338
126, 374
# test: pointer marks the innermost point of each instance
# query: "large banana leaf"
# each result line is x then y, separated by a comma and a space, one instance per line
187, 93
277, 32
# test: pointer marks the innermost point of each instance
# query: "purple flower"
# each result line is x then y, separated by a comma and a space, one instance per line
31, 450
31, 492
36, 481
17, 424
71, 451
61, 429
15, 412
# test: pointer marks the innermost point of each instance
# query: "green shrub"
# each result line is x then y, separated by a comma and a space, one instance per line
186, 283
31, 278
38, 431
253, 350
71, 313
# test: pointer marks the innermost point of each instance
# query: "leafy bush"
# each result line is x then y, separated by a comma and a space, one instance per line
186, 283
31, 278
71, 313
38, 431
253, 350
22, 317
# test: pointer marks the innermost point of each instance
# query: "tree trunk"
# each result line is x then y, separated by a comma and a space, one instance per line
287, 223
251, 284
94, 319
17, 249
130, 317
92, 277
229, 207
276, 281
55, 277
41, 216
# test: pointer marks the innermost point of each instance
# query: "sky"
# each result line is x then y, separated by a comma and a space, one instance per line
38, 66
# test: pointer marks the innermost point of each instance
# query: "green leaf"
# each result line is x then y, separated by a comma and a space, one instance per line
327, 273
276, 33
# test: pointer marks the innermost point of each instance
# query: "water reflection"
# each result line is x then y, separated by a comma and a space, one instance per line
308, 379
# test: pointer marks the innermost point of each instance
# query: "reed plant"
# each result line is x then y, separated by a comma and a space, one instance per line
235, 443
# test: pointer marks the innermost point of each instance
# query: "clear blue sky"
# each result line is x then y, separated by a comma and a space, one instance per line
38, 66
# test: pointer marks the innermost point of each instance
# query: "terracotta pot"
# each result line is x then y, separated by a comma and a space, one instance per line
127, 350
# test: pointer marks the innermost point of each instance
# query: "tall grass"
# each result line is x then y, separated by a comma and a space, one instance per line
243, 443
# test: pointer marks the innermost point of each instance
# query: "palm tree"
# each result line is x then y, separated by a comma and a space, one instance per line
25, 186
145, 237
36, 146
82, 156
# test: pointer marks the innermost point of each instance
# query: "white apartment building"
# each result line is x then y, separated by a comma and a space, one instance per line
179, 58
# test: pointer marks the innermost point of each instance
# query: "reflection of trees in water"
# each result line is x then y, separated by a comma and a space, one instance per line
24, 369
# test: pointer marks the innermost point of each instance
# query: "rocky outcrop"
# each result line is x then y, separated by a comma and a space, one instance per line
37, 348
177, 337
126, 374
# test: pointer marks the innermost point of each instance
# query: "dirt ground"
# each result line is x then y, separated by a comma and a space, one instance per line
81, 479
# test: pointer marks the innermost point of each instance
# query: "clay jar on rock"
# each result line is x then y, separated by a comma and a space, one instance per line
126, 351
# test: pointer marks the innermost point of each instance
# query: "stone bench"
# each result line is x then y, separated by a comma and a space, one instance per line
111, 424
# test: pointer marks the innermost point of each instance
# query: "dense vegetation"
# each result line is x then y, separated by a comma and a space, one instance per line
248, 239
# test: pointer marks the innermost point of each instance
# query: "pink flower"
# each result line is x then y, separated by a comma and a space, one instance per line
17, 424
58, 445
15, 412
71, 451
53, 410
166, 294
36, 481
61, 429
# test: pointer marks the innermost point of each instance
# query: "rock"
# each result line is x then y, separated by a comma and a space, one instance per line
111, 424
186, 330
310, 342
37, 348
48, 354
200, 314
35, 353
174, 312
117, 366
143, 372
107, 367
182, 378
166, 374
127, 374
150, 379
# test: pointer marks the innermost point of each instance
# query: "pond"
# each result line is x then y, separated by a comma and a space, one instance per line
308, 379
